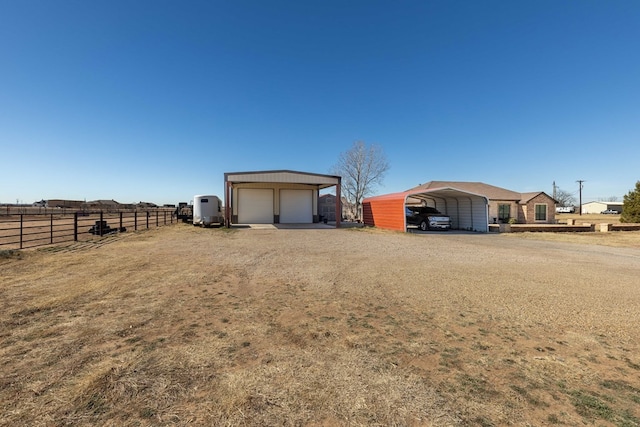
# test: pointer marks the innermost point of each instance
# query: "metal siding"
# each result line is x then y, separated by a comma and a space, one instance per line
367, 214
471, 213
480, 211
386, 213
594, 207
465, 213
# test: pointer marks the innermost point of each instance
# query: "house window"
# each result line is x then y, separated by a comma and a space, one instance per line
504, 212
541, 212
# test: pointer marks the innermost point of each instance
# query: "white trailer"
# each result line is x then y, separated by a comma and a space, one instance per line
207, 211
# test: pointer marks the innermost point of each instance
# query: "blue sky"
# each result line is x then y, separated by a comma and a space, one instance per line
156, 100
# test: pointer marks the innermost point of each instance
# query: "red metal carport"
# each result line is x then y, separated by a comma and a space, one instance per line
468, 211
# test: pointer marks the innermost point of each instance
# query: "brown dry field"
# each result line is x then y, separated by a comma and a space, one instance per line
590, 218
322, 327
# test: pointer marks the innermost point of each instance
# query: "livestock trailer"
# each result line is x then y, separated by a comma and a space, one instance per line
207, 211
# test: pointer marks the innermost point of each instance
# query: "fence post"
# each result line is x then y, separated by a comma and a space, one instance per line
135, 220
120, 221
51, 228
21, 224
101, 219
75, 226
157, 224
147, 220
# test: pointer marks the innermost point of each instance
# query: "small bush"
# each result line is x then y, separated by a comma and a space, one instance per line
9, 253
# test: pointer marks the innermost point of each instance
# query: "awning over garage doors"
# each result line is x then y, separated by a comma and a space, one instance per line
468, 211
276, 197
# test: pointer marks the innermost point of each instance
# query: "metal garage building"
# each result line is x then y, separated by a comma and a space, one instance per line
468, 211
276, 197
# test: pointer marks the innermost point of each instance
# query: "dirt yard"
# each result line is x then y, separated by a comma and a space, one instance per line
326, 327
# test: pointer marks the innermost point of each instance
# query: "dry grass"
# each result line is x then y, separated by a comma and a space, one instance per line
185, 326
630, 239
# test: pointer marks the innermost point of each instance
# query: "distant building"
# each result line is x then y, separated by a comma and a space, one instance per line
146, 205
327, 207
598, 207
104, 205
65, 204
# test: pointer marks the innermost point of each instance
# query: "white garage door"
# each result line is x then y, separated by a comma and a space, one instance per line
296, 206
255, 206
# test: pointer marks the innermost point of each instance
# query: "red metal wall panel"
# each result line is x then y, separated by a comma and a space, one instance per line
386, 212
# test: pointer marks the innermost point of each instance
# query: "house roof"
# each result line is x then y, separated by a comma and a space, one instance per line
490, 191
528, 196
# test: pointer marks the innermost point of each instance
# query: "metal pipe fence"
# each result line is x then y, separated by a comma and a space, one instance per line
22, 231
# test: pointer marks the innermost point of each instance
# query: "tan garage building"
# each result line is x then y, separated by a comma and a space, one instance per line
276, 197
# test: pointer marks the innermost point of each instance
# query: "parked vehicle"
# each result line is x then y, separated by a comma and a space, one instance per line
610, 212
565, 209
207, 211
184, 212
427, 218
100, 228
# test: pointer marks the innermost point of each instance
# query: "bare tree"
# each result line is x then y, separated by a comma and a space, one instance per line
564, 198
362, 168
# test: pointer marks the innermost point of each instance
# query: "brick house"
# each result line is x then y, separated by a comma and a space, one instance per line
327, 208
505, 205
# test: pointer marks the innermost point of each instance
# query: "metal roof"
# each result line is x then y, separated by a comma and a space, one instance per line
490, 191
283, 176
419, 194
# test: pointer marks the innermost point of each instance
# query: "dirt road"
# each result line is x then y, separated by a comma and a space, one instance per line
182, 325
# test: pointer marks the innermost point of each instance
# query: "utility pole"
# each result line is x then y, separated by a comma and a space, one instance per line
580, 181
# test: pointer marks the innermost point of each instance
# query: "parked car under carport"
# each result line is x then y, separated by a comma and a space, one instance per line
427, 218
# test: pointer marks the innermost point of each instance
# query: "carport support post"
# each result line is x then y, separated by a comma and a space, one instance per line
227, 205
338, 203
